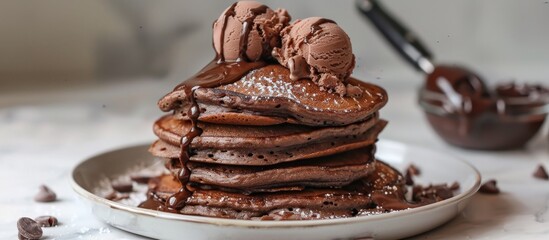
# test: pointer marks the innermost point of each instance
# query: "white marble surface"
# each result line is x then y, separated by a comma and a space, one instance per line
43, 135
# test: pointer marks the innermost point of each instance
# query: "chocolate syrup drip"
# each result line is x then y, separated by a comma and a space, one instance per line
215, 74
244, 35
154, 202
230, 12
218, 72
315, 27
178, 200
246, 29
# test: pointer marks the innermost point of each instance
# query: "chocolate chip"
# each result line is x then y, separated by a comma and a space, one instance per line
489, 187
28, 228
413, 170
541, 173
442, 193
122, 186
45, 195
46, 221
408, 178
141, 179
454, 186
431, 193
20, 237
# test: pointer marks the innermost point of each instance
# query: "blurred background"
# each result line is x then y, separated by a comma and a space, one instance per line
60, 45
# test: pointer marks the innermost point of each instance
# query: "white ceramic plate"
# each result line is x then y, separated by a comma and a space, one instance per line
435, 168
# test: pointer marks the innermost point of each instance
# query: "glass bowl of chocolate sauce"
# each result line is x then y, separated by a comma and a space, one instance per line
466, 113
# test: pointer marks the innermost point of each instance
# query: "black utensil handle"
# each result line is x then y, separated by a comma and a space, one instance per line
403, 40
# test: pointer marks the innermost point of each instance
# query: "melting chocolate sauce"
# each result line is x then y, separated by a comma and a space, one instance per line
213, 75
298, 68
218, 72
230, 12
478, 117
393, 200
178, 200
462, 87
462, 80
154, 202
245, 34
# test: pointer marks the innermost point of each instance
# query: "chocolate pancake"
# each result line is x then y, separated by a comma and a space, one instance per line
256, 155
348, 201
220, 136
331, 171
267, 96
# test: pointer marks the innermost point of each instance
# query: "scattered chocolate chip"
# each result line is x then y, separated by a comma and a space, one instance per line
45, 195
431, 193
541, 173
408, 178
28, 228
413, 170
141, 179
454, 186
489, 187
46, 221
443, 193
122, 186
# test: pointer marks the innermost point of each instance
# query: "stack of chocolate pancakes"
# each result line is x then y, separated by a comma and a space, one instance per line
244, 140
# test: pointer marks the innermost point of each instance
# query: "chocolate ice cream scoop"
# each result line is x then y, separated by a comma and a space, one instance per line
317, 48
248, 31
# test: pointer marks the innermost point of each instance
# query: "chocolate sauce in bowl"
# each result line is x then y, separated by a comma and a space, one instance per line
462, 88
466, 113
464, 81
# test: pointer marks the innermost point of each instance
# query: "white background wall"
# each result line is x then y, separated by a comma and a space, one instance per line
63, 43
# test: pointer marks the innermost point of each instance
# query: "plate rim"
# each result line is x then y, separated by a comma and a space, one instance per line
268, 224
